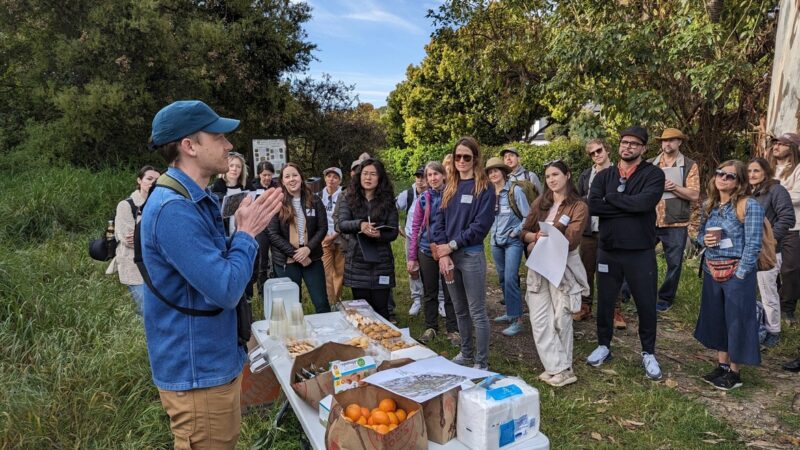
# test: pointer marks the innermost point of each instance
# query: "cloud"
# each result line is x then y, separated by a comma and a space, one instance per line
380, 16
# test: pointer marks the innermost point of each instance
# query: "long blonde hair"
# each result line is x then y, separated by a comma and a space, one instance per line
713, 197
242, 181
481, 181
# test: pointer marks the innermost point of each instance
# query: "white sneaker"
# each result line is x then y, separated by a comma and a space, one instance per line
600, 355
562, 378
441, 310
651, 367
415, 307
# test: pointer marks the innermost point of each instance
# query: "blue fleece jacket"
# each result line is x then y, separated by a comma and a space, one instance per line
467, 217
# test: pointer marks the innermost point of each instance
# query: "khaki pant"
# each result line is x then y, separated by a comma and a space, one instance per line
551, 323
333, 262
208, 418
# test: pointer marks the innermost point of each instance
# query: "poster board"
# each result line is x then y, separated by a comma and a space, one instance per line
273, 150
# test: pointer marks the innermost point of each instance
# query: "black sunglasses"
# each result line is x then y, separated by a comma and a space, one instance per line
622, 181
727, 176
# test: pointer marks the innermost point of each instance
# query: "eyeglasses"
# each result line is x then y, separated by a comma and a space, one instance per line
727, 176
597, 152
465, 158
621, 187
630, 144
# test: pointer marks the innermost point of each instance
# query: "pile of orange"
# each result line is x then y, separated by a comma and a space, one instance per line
383, 419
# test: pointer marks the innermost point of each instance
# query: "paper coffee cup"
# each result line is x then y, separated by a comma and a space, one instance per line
716, 232
450, 275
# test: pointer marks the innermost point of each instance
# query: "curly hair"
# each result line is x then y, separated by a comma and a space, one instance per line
382, 202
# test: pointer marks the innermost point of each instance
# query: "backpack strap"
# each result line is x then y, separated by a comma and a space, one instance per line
134, 208
169, 183
409, 197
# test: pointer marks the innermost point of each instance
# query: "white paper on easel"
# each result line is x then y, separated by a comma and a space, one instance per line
549, 255
672, 174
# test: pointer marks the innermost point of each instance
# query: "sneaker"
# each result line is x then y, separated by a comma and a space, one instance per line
771, 340
663, 306
455, 338
428, 335
481, 366
415, 307
393, 318
716, 373
619, 321
441, 310
584, 314
789, 318
562, 378
600, 355
544, 376
513, 329
462, 361
727, 381
651, 367
505, 318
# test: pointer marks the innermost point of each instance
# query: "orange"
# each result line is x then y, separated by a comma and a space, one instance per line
365, 412
371, 420
392, 418
352, 412
387, 405
362, 420
411, 413
382, 429
401, 415
392, 426
374, 410
380, 418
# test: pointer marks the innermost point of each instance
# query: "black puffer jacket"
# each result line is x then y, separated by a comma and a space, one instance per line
357, 272
316, 229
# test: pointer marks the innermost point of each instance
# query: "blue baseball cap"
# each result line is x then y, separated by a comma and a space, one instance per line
182, 118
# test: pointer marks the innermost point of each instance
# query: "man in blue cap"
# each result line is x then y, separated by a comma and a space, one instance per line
197, 276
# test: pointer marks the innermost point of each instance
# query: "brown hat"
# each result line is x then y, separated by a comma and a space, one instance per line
497, 163
672, 133
789, 139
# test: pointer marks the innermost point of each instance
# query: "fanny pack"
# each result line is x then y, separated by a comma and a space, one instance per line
722, 269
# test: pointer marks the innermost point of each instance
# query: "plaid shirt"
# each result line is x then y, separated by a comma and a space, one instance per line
745, 237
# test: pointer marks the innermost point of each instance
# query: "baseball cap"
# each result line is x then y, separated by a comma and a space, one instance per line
635, 131
184, 117
789, 139
509, 150
335, 170
420, 171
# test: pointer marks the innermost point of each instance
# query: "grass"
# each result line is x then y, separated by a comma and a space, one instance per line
74, 366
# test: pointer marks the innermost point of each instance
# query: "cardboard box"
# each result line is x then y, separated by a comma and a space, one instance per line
315, 389
349, 374
325, 410
344, 435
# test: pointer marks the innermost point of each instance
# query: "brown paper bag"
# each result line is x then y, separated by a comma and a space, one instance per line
344, 435
317, 388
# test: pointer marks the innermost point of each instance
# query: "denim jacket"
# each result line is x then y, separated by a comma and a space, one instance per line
507, 226
745, 237
193, 263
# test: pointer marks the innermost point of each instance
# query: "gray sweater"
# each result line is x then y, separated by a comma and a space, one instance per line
778, 209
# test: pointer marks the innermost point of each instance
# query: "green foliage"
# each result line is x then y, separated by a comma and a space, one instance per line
401, 163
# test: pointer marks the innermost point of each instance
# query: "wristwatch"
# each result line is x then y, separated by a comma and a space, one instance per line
453, 246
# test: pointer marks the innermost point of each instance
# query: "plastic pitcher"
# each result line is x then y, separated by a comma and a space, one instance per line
283, 288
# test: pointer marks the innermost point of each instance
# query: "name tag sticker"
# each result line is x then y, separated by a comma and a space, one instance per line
466, 199
311, 212
564, 220
603, 268
383, 279
725, 243
505, 210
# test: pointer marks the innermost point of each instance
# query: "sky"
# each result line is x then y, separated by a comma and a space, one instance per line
368, 43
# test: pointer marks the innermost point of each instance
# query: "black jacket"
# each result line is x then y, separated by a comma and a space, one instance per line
778, 209
357, 272
220, 188
627, 219
583, 190
316, 228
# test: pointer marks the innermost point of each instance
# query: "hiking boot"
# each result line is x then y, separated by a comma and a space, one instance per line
619, 321
441, 310
600, 355
505, 318
771, 340
415, 307
562, 378
716, 373
513, 329
428, 335
462, 361
792, 366
584, 314
727, 381
393, 318
544, 376
651, 367
789, 318
663, 306
455, 338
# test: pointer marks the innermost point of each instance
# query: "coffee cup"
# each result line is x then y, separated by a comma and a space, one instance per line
450, 275
716, 232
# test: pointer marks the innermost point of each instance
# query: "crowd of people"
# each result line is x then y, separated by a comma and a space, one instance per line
612, 216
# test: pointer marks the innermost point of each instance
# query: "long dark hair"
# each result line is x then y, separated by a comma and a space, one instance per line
142, 173
382, 202
572, 194
306, 197
769, 176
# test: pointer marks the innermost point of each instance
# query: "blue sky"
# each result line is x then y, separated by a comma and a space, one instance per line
368, 43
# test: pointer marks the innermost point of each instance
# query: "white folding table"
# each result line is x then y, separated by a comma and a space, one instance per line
281, 364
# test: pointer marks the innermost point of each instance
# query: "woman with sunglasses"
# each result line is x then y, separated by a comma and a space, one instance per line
778, 209
296, 235
551, 306
462, 222
730, 231
368, 213
420, 258
507, 248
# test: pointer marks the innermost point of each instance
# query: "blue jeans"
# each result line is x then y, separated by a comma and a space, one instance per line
314, 276
673, 240
137, 292
469, 301
506, 260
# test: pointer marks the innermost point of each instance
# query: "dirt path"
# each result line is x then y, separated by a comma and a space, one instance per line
753, 413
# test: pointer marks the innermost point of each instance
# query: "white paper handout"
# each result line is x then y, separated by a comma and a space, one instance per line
672, 174
422, 380
549, 255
